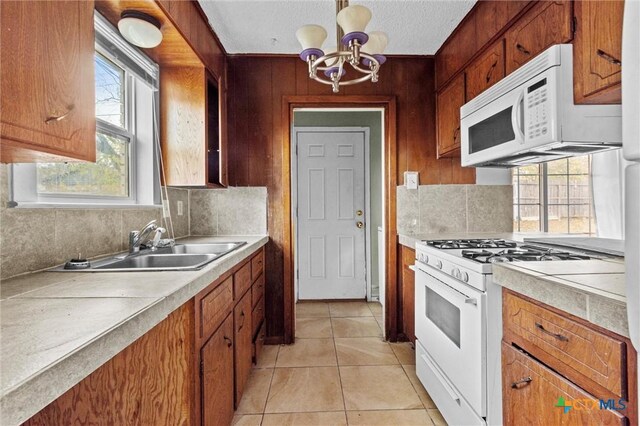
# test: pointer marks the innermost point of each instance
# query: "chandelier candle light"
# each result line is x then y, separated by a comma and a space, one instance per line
360, 50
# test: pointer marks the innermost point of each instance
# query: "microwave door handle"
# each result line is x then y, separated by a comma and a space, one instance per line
516, 122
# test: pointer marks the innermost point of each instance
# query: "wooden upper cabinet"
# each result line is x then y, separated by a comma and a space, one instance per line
486, 70
459, 48
193, 134
545, 24
448, 103
47, 81
598, 51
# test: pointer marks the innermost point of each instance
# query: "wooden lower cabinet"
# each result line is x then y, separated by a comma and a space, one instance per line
244, 345
217, 381
535, 395
407, 258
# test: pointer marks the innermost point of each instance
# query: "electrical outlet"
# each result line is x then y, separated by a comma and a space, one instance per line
180, 208
165, 209
411, 180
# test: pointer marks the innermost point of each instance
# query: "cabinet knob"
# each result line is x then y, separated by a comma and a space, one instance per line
521, 383
611, 59
522, 49
488, 77
56, 118
229, 341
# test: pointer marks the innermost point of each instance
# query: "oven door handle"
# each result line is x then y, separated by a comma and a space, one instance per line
460, 297
441, 378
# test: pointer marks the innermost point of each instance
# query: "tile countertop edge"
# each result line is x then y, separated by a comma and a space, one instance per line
593, 305
27, 398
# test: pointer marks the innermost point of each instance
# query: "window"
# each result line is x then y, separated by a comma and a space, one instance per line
126, 148
554, 197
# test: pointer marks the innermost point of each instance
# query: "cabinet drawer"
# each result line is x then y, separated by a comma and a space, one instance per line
257, 316
257, 265
215, 306
242, 280
257, 291
572, 349
531, 392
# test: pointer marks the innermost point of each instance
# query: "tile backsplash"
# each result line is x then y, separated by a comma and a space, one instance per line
33, 239
231, 211
454, 208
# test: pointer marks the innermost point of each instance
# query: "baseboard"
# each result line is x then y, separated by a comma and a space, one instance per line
274, 340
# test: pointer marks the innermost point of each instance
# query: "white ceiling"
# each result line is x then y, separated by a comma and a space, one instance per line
415, 27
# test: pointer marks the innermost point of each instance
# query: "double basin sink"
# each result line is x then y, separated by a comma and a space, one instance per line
181, 257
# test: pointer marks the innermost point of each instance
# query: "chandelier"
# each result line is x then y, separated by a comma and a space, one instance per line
362, 51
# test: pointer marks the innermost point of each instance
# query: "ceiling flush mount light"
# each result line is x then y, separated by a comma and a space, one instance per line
362, 51
140, 29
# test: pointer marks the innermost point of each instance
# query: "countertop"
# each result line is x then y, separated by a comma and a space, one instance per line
59, 327
593, 290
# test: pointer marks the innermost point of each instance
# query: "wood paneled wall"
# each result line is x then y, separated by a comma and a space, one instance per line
256, 86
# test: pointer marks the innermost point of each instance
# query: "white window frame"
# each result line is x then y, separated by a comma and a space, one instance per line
544, 205
140, 105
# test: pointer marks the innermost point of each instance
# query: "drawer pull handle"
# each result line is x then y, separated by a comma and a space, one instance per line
522, 49
57, 118
556, 335
241, 322
521, 383
456, 132
229, 342
604, 55
488, 78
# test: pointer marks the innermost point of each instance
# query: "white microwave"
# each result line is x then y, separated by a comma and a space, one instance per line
530, 117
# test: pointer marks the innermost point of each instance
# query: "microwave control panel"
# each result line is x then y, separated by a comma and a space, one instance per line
537, 111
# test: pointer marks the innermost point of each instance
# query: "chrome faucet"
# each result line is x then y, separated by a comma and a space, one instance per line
137, 238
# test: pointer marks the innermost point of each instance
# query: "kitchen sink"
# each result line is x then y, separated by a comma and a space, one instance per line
181, 257
206, 248
163, 262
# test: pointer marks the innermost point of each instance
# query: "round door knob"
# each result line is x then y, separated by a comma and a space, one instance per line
359, 213
360, 224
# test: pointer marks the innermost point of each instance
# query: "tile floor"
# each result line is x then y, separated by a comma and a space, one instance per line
338, 372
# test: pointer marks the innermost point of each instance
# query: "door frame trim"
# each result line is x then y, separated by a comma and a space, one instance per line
367, 198
388, 104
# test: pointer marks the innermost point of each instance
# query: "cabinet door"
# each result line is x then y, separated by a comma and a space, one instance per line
598, 51
47, 81
449, 102
535, 395
546, 24
408, 293
216, 379
485, 71
244, 346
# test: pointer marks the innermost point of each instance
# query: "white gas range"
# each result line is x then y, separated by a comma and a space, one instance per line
459, 322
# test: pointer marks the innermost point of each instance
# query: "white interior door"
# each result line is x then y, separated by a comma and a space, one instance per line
331, 198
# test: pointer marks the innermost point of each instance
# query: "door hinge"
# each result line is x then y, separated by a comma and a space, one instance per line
574, 25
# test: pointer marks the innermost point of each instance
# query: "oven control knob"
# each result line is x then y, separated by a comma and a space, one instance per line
425, 258
455, 272
438, 264
465, 277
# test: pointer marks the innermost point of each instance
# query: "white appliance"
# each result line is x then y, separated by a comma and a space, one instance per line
631, 151
529, 117
458, 323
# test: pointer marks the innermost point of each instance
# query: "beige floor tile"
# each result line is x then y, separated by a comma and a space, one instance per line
405, 352
417, 385
268, 356
349, 309
378, 388
356, 327
256, 390
295, 390
313, 328
364, 351
312, 310
436, 417
376, 308
308, 353
335, 418
247, 420
388, 417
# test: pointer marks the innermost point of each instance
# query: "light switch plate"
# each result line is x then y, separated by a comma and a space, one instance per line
411, 180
